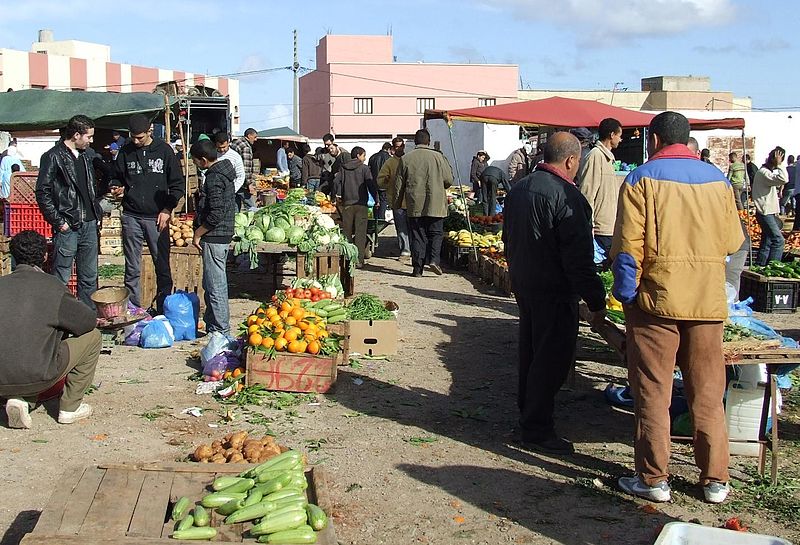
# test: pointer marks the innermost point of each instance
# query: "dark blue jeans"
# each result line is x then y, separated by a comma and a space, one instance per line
137, 231
772, 241
77, 245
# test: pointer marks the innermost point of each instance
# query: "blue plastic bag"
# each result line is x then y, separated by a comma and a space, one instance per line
157, 334
182, 313
599, 254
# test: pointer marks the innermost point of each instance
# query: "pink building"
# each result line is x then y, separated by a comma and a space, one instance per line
358, 91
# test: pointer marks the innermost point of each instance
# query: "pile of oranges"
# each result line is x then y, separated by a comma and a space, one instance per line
287, 327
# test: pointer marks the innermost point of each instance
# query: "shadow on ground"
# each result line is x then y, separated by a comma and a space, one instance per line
24, 523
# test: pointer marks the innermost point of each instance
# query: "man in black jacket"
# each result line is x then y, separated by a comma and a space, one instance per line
213, 230
352, 186
376, 162
547, 233
491, 179
48, 336
65, 192
150, 178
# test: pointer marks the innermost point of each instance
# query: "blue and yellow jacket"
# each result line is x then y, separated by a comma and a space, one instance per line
676, 223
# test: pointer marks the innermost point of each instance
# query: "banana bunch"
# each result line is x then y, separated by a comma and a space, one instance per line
463, 239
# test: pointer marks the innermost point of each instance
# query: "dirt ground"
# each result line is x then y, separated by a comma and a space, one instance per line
419, 448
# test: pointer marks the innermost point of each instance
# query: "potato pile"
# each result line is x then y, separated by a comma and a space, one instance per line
181, 232
237, 447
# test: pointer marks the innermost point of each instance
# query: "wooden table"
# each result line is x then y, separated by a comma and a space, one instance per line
614, 335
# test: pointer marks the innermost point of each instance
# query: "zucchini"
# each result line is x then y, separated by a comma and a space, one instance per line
215, 499
298, 481
289, 504
294, 455
251, 512
242, 486
273, 485
337, 318
331, 307
320, 312
301, 534
198, 532
221, 483
201, 516
269, 474
254, 497
285, 493
317, 518
185, 523
180, 508
278, 521
230, 507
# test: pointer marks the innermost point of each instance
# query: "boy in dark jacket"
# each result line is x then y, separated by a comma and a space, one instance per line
213, 230
49, 337
150, 180
352, 185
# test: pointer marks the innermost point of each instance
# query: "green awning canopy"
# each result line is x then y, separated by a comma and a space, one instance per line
42, 109
282, 133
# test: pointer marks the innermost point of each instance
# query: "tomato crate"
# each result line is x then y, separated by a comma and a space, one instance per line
293, 372
770, 295
20, 217
130, 504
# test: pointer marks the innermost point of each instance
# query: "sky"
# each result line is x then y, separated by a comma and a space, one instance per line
746, 47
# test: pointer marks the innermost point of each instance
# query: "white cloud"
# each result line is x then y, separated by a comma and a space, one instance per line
611, 21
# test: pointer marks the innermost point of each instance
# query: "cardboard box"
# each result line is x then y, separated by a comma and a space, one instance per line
292, 372
372, 337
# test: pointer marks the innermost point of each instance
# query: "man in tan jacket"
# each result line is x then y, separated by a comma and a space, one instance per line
423, 177
677, 222
600, 184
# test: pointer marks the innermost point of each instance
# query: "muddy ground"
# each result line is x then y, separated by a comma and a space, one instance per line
419, 448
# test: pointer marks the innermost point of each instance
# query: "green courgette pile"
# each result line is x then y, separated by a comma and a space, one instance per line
272, 495
779, 269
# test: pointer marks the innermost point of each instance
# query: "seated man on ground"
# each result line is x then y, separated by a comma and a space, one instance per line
48, 336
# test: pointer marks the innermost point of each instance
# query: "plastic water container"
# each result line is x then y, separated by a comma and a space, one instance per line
683, 533
743, 405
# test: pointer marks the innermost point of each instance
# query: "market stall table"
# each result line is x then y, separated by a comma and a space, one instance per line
614, 335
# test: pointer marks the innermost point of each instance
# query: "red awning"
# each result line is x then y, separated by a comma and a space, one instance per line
566, 112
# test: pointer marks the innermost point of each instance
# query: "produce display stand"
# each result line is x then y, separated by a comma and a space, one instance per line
129, 504
287, 372
327, 262
614, 335
186, 264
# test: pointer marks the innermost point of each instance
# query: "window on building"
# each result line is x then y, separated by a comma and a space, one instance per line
487, 101
38, 87
362, 105
78, 89
425, 104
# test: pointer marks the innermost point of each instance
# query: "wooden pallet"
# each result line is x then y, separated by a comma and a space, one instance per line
129, 504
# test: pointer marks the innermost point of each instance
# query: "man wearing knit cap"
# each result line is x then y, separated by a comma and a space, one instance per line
150, 180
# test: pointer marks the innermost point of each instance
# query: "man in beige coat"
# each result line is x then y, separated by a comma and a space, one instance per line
600, 184
422, 179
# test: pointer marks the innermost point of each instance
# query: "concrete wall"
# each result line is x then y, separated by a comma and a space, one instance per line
633, 100
650, 100
74, 48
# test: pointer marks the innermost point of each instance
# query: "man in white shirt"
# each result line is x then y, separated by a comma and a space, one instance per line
223, 142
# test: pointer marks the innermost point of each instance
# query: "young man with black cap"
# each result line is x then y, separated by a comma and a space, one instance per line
150, 180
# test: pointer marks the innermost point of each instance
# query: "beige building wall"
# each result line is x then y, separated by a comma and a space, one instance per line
14, 70
74, 48
651, 100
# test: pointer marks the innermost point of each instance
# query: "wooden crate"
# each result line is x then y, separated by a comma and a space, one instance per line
186, 264
5, 244
292, 372
322, 263
5, 264
127, 504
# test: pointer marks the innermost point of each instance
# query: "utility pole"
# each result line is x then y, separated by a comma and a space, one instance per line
295, 94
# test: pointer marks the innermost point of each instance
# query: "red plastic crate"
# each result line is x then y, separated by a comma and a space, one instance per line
20, 217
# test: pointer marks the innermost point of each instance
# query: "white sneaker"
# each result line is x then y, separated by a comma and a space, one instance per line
66, 417
18, 414
716, 492
660, 492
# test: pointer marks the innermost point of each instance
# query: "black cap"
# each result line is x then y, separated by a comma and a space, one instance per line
138, 124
